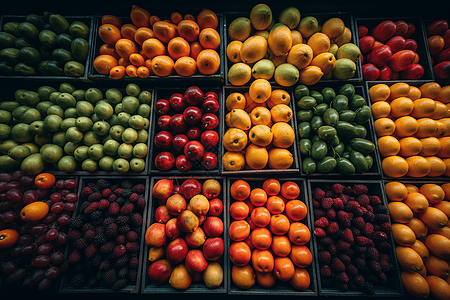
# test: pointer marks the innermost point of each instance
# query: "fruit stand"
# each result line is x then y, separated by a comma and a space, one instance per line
224, 149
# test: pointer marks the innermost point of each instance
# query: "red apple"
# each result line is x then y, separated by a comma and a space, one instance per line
176, 251
177, 123
210, 121
362, 31
410, 44
175, 204
159, 271
183, 163
179, 141
401, 28
215, 207
213, 248
210, 105
190, 187
194, 133
162, 214
164, 122
196, 238
385, 73
213, 226
366, 44
211, 94
194, 95
177, 102
370, 72
396, 43
195, 261
209, 161
164, 161
209, 139
172, 229
194, 150
163, 139
384, 31
414, 71
192, 115
162, 107
380, 56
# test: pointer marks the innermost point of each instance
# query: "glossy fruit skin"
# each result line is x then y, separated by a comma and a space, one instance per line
44, 180
183, 163
177, 123
442, 70
380, 56
192, 115
163, 139
401, 60
177, 102
410, 44
179, 141
164, 122
209, 139
164, 161
385, 73
414, 71
162, 107
438, 27
210, 121
210, 105
209, 161
194, 150
370, 72
194, 95
384, 31
194, 133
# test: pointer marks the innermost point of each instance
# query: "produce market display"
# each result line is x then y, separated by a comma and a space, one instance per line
259, 150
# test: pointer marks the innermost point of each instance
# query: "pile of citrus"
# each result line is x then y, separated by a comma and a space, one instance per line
258, 133
150, 46
420, 225
289, 48
413, 128
269, 238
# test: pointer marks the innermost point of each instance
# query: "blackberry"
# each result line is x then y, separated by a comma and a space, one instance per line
100, 239
122, 272
104, 265
122, 261
96, 260
78, 267
122, 220
126, 184
77, 221
80, 243
110, 277
119, 284
134, 262
107, 247
132, 276
111, 230
121, 200
96, 196
100, 230
77, 280
368, 288
108, 221
74, 234
102, 183
75, 257
93, 282
89, 235
126, 193
96, 215
114, 187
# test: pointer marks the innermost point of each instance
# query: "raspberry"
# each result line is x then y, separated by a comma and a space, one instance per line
363, 241
359, 189
344, 198
386, 227
372, 253
321, 222
140, 203
363, 200
318, 193
74, 257
132, 247
74, 234
342, 245
332, 228
347, 235
375, 266
90, 250
106, 192
360, 249
316, 204
359, 262
96, 196
331, 213
121, 261
324, 257
337, 265
326, 241
319, 232
359, 280
80, 243
118, 191
89, 235
91, 208
342, 277
139, 188
100, 230
345, 259
118, 251
120, 239
342, 286
325, 271
111, 230
338, 204
127, 209
337, 188
112, 197
381, 209
367, 229
381, 218
104, 265
134, 197
86, 191
344, 218
107, 247
375, 200
110, 277
385, 265
351, 205
103, 204
134, 262
126, 184
332, 249
136, 219
358, 222
347, 190
318, 213
384, 246
369, 217
330, 194
114, 208
131, 236
326, 203
382, 277
351, 269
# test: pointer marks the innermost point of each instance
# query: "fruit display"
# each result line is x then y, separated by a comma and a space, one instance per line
411, 122
145, 45
393, 49
289, 48
75, 130
420, 213
106, 236
259, 129
352, 231
186, 125
334, 130
185, 247
35, 215
48, 45
269, 230
438, 39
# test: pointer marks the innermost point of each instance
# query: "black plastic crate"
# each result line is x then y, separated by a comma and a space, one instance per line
347, 17
196, 287
294, 168
360, 89
66, 286
416, 83
393, 287
280, 287
197, 168
419, 36
171, 80
88, 20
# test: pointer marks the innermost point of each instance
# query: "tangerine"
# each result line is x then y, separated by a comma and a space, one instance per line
239, 230
185, 66
394, 166
396, 191
258, 197
290, 190
208, 62
261, 238
240, 190
239, 210
301, 256
260, 216
410, 146
109, 34
299, 233
418, 166
275, 205
272, 186
281, 245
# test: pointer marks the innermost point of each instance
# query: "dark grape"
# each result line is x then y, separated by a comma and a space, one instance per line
69, 206
59, 183
28, 282
57, 257
40, 239
40, 261
42, 193
9, 266
64, 192
16, 275
29, 248
25, 228
51, 234
16, 251
49, 218
70, 183
71, 197
38, 229
52, 272
62, 238
9, 216
24, 239
55, 197
4, 204
63, 219
38, 275
57, 207
44, 284
44, 248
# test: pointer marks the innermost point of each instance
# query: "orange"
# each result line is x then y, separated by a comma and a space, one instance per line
325, 61
441, 128
234, 139
301, 279
394, 166
239, 210
124, 62
196, 48
441, 111
239, 230
417, 202
290, 190
279, 224
260, 216
243, 276
143, 72
421, 249
430, 146
240, 253
249, 103
427, 127
333, 28
208, 62
400, 107
154, 19
131, 70
430, 90
235, 100
446, 122
418, 166
185, 66
438, 245
106, 49
439, 288
406, 126
109, 34
233, 161
444, 206
414, 93
142, 34
262, 261
296, 37
299, 233
301, 256
423, 107
104, 63
153, 47
283, 135
445, 147
207, 19
162, 65
176, 17
111, 19
319, 42
275, 205
271, 186
379, 92
444, 94
400, 212
188, 30
256, 157
260, 135
258, 197
260, 90
278, 60
380, 109
136, 59
209, 38
296, 210
384, 126
240, 190
261, 237
34, 211
433, 192
300, 55
281, 245
399, 89
266, 280
260, 116
284, 269
125, 47
234, 51
281, 113
164, 31
412, 188
437, 266
128, 31
139, 16
8, 237
434, 218
280, 40
396, 191
410, 146
178, 47
117, 72
415, 284
446, 188
280, 158
388, 145
404, 236
419, 228
278, 96
438, 166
